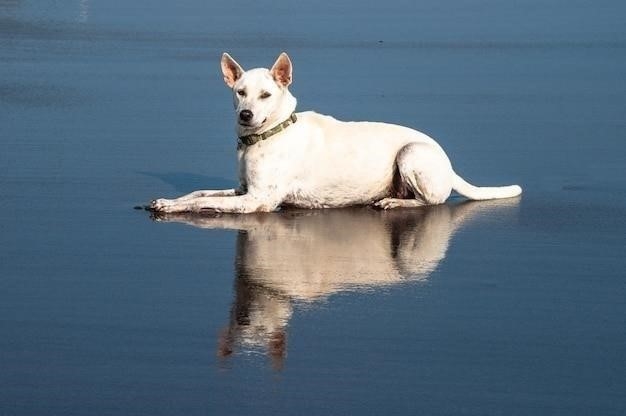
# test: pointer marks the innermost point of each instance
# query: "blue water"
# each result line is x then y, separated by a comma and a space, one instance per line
472, 309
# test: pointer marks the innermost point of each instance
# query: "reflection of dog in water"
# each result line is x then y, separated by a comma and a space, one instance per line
304, 256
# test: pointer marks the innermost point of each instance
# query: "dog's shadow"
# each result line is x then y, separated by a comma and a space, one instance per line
302, 256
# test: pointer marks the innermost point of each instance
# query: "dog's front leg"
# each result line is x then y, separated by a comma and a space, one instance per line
158, 204
211, 192
239, 204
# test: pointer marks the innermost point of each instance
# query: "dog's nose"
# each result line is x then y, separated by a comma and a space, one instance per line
246, 115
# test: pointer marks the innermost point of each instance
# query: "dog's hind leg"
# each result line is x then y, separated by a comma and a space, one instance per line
426, 171
389, 203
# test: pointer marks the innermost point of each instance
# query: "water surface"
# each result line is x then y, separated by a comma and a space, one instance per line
467, 308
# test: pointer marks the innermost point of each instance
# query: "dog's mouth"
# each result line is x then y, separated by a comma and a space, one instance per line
251, 125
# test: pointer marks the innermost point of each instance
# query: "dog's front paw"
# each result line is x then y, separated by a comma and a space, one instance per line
160, 205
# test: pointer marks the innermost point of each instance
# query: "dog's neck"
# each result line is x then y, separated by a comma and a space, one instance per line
278, 116
252, 139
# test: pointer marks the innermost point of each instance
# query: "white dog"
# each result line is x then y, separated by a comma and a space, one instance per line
309, 160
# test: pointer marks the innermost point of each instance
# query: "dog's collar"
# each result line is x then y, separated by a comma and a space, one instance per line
251, 139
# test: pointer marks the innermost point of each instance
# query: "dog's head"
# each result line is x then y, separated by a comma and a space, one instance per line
260, 95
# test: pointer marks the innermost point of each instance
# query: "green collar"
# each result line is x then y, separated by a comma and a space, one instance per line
251, 139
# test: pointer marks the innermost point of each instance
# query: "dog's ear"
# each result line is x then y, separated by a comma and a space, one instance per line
231, 69
281, 70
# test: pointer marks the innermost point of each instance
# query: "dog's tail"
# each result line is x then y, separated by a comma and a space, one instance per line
484, 192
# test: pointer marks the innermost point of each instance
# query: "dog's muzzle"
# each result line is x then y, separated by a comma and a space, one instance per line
245, 116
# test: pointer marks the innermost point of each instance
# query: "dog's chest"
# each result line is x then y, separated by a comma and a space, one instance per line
263, 163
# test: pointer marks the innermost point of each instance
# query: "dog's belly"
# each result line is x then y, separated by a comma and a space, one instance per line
331, 198
354, 188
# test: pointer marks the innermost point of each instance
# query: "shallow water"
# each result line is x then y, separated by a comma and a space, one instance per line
515, 307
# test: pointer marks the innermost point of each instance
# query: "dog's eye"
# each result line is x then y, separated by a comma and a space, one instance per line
265, 95
241, 93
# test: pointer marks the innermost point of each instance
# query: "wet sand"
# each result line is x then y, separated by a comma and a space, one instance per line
468, 308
